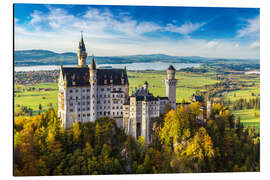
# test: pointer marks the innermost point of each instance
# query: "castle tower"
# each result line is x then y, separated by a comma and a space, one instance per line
82, 55
170, 83
145, 86
93, 91
145, 121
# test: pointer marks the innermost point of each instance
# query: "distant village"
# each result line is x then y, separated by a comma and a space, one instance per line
34, 77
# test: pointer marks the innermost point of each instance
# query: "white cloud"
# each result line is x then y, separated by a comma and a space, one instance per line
255, 45
36, 17
252, 28
212, 44
16, 20
236, 45
184, 29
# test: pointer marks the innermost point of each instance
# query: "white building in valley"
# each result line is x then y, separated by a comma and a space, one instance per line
87, 93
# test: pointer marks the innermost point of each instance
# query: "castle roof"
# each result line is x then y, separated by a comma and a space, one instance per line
79, 76
197, 98
171, 68
93, 64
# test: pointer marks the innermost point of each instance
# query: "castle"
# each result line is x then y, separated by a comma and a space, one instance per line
87, 93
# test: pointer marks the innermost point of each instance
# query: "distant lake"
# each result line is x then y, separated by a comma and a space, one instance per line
131, 66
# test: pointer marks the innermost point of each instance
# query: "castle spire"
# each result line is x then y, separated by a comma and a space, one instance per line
81, 43
93, 63
82, 55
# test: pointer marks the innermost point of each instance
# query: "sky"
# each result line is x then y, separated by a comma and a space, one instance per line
130, 30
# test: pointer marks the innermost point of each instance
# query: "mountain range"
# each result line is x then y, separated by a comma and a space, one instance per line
46, 57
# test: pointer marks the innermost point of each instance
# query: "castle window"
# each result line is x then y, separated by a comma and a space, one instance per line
108, 89
79, 115
79, 109
117, 112
114, 89
120, 89
83, 109
104, 95
109, 113
83, 97
76, 98
109, 101
113, 113
88, 90
113, 95
88, 109
77, 90
70, 91
113, 107
88, 97
83, 115
117, 107
79, 103
88, 103
71, 97
71, 110
71, 104
121, 113
88, 114
83, 103
83, 90
102, 89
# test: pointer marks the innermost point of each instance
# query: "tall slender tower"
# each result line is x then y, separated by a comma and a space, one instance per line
170, 83
82, 55
93, 91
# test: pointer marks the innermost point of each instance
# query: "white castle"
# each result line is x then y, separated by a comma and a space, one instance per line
87, 93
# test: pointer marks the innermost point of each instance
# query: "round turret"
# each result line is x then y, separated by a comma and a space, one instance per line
171, 72
145, 86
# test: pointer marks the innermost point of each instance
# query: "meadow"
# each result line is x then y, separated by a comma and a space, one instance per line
32, 98
249, 117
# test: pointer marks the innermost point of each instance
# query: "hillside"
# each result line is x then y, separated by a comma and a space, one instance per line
45, 57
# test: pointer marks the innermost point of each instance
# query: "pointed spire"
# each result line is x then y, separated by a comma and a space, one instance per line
93, 64
81, 43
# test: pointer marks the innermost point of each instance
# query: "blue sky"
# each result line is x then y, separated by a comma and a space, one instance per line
129, 30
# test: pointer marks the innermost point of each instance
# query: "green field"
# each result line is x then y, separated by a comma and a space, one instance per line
248, 117
243, 93
32, 99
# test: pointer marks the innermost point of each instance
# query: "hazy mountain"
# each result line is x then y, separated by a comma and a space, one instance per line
45, 57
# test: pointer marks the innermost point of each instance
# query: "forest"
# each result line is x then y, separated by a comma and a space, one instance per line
179, 145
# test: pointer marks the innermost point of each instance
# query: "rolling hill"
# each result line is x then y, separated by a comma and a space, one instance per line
45, 57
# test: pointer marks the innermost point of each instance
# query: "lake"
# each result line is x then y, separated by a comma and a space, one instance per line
131, 66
